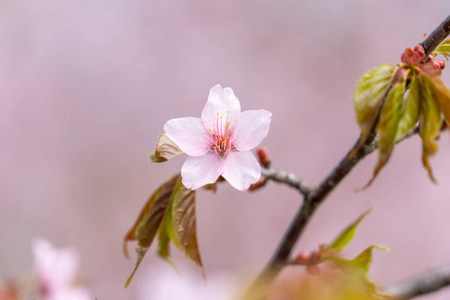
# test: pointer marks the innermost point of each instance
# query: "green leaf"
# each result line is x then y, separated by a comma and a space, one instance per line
442, 93
164, 245
430, 121
388, 125
180, 223
165, 149
149, 221
364, 259
368, 96
358, 266
347, 235
410, 113
443, 49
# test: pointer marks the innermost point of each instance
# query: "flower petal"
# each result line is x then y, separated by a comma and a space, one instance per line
241, 169
200, 170
253, 128
187, 134
223, 102
57, 268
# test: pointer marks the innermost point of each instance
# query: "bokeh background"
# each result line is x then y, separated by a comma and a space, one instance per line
86, 87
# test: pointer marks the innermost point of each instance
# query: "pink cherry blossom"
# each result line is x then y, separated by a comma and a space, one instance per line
219, 142
57, 270
166, 284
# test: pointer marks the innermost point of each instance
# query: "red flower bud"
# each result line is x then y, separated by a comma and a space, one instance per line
441, 64
411, 57
303, 258
261, 181
420, 51
263, 156
431, 67
407, 56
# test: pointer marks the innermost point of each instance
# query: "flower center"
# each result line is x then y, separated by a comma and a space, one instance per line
220, 137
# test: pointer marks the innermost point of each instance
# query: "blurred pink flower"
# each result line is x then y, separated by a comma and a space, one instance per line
219, 142
57, 270
166, 284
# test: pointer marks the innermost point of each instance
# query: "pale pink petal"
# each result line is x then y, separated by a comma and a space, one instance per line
56, 267
187, 133
241, 169
253, 127
221, 103
200, 170
72, 293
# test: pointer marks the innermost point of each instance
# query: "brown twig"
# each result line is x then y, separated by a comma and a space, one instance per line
287, 178
436, 37
316, 196
426, 283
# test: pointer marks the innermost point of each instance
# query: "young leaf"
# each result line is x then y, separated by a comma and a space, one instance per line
410, 113
443, 48
430, 121
170, 212
368, 96
165, 149
388, 125
364, 259
149, 221
358, 266
347, 235
164, 243
442, 93
147, 224
180, 223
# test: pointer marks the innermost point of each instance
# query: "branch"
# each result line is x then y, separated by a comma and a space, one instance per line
287, 178
436, 37
426, 283
315, 197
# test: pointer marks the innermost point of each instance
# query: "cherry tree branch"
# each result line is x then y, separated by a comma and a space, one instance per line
436, 37
426, 283
287, 178
317, 195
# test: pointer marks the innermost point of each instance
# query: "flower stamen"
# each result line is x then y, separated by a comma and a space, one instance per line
222, 138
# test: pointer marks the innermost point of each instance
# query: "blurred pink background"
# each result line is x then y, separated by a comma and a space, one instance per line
86, 87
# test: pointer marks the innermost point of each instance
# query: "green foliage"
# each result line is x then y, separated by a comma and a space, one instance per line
443, 49
388, 125
430, 122
368, 96
415, 94
180, 224
410, 113
358, 267
347, 235
170, 213
338, 278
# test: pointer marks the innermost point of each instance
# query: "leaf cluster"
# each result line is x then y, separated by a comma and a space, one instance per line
391, 100
339, 278
169, 214
357, 267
